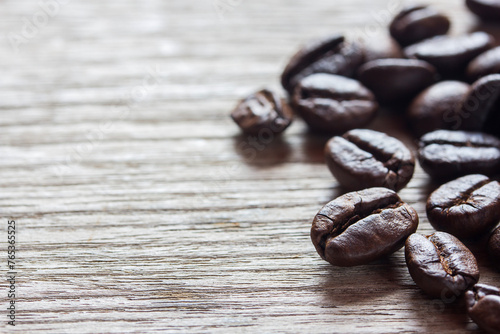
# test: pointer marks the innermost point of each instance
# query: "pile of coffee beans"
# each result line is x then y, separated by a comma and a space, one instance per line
450, 89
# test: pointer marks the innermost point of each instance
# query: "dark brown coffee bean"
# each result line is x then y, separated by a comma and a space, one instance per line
333, 104
437, 107
416, 23
263, 111
329, 55
485, 9
364, 158
440, 264
451, 54
466, 207
396, 80
446, 154
360, 227
483, 306
484, 64
494, 246
381, 47
480, 107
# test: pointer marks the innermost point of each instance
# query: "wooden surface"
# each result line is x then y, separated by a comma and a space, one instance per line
139, 208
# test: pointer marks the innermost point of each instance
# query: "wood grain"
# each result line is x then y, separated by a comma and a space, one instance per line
139, 206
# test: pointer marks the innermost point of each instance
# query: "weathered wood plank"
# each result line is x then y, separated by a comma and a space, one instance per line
138, 210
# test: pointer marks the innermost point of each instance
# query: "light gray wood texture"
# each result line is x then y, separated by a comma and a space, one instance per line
141, 209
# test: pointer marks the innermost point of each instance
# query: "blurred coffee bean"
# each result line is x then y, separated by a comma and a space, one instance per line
440, 264
483, 306
436, 107
381, 47
360, 227
484, 64
445, 154
331, 55
364, 158
396, 80
494, 247
416, 23
451, 54
466, 207
480, 107
485, 9
263, 111
333, 104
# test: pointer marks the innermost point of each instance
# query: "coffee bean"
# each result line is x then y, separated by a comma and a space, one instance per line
416, 23
396, 80
484, 64
483, 306
360, 227
261, 112
466, 207
364, 158
451, 54
333, 104
480, 107
380, 47
494, 246
437, 107
329, 55
485, 9
446, 154
440, 264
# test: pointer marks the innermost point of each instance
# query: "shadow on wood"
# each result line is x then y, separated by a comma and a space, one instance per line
262, 153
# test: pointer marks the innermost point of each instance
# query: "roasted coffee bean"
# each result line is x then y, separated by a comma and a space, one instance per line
480, 107
360, 227
329, 55
494, 246
446, 154
416, 23
483, 306
466, 207
333, 104
381, 47
451, 54
437, 107
484, 64
485, 9
396, 80
262, 113
364, 158
440, 264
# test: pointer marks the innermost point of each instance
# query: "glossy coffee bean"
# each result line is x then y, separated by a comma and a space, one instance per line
440, 264
261, 112
396, 80
466, 207
485, 9
480, 107
380, 47
333, 104
446, 154
360, 227
331, 55
364, 158
416, 23
484, 64
494, 246
436, 107
451, 54
483, 306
